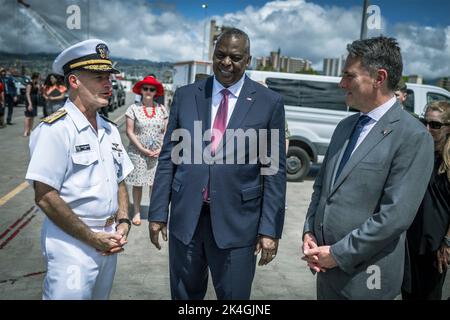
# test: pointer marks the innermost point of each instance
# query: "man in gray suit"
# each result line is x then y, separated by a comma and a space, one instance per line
371, 182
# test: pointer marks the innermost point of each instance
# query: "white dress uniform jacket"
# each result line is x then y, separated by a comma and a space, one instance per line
85, 167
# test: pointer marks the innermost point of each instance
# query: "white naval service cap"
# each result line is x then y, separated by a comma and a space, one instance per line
89, 55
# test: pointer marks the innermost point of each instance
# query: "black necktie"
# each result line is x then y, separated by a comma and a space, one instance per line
362, 121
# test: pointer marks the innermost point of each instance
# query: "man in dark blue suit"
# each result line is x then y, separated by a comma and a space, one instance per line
222, 214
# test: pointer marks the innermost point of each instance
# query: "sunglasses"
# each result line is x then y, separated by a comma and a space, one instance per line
151, 89
433, 124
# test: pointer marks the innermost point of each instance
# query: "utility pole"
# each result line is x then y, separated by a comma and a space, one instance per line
279, 59
88, 17
363, 34
204, 6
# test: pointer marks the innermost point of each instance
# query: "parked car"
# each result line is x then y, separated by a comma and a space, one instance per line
419, 95
118, 96
121, 95
113, 99
314, 105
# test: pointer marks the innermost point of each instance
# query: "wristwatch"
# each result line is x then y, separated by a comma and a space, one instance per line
446, 241
124, 220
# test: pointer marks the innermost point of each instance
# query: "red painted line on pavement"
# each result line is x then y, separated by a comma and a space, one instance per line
4, 243
33, 274
11, 227
25, 276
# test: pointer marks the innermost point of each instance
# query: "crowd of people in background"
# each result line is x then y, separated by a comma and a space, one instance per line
31, 93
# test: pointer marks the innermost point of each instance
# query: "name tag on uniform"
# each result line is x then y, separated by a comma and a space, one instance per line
82, 147
115, 147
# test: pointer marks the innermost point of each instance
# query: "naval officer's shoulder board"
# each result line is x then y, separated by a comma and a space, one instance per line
58, 114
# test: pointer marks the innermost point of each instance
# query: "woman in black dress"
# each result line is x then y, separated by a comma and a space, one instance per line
31, 103
429, 235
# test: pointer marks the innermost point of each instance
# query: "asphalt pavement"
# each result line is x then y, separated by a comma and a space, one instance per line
142, 271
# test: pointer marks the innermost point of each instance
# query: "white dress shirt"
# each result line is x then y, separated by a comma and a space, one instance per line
235, 90
375, 116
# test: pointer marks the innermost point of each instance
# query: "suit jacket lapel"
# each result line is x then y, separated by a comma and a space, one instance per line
203, 99
381, 130
336, 155
243, 104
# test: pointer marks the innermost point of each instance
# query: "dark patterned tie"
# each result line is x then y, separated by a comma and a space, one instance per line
362, 121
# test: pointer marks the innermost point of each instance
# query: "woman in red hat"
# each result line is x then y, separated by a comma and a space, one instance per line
146, 125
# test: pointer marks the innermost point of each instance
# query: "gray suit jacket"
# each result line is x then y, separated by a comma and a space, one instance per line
365, 213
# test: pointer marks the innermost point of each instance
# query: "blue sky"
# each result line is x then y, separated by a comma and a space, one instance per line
422, 12
173, 30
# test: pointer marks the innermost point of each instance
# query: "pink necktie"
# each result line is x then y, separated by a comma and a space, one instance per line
220, 122
219, 127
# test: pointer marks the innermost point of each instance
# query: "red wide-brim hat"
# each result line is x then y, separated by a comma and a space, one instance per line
151, 81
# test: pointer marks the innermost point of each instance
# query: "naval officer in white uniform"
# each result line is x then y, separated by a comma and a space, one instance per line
77, 168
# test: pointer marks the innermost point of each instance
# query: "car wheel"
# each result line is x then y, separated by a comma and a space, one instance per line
297, 164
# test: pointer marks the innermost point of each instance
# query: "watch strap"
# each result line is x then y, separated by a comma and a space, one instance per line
124, 220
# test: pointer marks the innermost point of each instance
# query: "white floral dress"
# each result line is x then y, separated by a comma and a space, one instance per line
149, 130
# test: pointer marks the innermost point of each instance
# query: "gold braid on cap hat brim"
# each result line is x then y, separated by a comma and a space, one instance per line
90, 62
98, 67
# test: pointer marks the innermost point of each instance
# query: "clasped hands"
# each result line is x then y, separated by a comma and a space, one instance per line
112, 243
317, 258
151, 153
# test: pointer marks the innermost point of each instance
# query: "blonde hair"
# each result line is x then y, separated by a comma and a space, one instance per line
445, 165
440, 106
444, 108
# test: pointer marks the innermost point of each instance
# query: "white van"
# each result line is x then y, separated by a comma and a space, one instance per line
419, 95
314, 105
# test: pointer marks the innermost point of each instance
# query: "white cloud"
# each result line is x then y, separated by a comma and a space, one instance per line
133, 29
306, 30
426, 51
300, 29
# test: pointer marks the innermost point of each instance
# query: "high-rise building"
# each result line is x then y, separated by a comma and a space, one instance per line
333, 66
297, 65
444, 83
262, 62
283, 63
275, 60
214, 33
415, 79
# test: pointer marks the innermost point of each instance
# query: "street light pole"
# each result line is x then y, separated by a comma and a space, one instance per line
204, 6
363, 34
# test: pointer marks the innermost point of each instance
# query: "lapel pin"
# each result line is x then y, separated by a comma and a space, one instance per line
249, 99
386, 131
